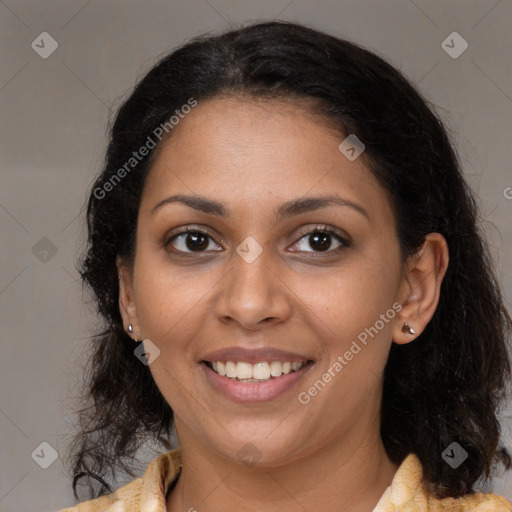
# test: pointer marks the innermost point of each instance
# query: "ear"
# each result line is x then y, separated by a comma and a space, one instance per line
127, 306
420, 287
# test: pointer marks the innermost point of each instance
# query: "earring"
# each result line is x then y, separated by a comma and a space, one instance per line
130, 329
408, 329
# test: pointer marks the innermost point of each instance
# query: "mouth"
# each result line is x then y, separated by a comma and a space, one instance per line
243, 382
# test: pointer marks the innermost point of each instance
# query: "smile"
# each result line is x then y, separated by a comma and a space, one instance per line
261, 382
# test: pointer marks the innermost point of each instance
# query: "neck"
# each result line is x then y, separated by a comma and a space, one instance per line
350, 474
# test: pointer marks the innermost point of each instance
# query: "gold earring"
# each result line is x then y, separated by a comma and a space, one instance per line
408, 329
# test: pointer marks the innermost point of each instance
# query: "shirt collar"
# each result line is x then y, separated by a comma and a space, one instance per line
406, 486
157, 478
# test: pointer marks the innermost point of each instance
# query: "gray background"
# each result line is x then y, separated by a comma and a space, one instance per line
54, 115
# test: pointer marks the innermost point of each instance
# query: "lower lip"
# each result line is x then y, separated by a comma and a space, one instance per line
253, 392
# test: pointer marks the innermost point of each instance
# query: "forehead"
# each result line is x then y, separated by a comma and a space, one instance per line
238, 150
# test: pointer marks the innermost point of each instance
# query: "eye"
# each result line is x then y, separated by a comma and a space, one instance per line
190, 240
320, 240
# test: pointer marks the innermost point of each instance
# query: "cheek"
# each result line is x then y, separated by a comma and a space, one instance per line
359, 312
353, 297
355, 316
168, 301
168, 309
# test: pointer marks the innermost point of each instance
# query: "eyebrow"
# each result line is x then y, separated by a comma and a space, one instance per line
285, 210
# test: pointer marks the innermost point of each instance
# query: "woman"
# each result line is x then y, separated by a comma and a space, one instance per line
288, 263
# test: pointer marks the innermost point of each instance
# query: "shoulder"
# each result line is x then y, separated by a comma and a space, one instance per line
477, 502
408, 493
120, 501
144, 493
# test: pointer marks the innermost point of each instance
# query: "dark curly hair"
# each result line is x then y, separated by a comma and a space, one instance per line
446, 385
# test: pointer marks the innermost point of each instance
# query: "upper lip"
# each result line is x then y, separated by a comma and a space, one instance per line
254, 355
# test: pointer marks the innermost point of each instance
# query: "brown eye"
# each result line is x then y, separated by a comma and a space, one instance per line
190, 241
320, 240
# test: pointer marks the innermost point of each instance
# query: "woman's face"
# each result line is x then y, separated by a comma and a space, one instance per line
262, 281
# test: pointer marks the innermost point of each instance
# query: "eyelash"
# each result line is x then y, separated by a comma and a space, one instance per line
345, 243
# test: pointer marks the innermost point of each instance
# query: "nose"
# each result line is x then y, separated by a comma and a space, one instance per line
253, 294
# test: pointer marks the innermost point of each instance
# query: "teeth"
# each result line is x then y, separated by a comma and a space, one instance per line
261, 371
275, 368
244, 370
258, 372
231, 369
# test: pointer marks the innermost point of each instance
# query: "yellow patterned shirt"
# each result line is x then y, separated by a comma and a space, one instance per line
405, 494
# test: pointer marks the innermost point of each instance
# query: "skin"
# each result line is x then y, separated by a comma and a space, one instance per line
252, 156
